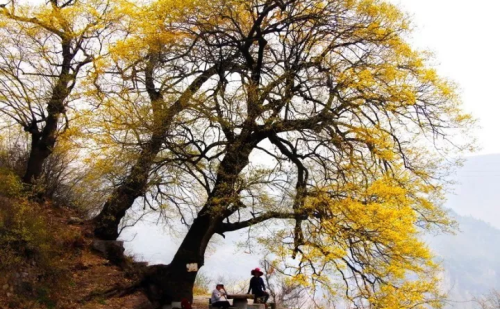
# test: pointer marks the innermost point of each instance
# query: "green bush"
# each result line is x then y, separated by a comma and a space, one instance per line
32, 247
23, 234
10, 184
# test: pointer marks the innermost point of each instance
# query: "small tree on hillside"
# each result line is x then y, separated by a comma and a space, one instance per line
43, 50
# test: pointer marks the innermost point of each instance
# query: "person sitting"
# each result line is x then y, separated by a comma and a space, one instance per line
257, 285
216, 299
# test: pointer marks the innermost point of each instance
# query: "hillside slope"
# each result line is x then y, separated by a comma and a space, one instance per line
47, 261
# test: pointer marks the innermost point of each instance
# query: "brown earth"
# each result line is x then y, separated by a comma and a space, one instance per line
84, 279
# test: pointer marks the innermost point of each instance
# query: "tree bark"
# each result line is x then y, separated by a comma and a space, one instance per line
38, 154
173, 282
43, 142
107, 222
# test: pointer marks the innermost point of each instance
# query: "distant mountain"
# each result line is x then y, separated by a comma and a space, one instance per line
471, 260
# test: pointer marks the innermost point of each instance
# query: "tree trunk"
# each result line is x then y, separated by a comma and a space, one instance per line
42, 145
37, 157
167, 283
107, 222
173, 282
43, 142
135, 185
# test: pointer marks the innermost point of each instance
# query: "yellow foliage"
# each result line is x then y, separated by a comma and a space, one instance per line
369, 236
10, 184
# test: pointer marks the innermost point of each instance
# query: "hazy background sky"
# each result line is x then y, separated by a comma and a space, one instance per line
463, 35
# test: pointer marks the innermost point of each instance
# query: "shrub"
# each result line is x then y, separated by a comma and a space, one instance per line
34, 248
14, 151
10, 184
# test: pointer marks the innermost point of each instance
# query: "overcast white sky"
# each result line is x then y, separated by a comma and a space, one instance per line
464, 36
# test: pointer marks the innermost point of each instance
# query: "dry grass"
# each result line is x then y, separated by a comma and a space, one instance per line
72, 274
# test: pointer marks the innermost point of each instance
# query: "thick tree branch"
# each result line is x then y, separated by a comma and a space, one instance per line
230, 227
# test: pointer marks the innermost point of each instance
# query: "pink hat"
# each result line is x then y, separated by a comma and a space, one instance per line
256, 270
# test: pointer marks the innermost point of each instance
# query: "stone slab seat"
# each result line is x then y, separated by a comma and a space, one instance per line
240, 301
249, 306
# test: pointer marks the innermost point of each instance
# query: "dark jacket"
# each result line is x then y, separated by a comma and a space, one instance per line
256, 285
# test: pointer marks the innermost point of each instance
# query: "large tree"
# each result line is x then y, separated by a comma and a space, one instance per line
43, 50
316, 116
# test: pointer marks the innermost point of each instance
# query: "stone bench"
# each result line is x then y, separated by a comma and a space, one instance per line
240, 301
249, 306
213, 307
